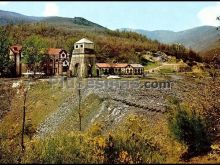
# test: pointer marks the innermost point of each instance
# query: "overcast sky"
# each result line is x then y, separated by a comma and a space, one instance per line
174, 16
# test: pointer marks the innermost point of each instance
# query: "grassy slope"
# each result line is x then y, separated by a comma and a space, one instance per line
89, 109
42, 100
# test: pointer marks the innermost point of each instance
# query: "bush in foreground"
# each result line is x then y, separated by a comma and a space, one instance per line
190, 129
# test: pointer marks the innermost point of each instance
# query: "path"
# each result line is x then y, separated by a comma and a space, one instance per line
163, 65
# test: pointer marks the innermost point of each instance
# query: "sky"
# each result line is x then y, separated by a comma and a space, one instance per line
175, 16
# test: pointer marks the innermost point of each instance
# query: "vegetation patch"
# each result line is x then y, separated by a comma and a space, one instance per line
190, 129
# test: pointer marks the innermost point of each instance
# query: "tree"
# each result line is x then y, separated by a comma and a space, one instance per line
5, 62
213, 67
34, 52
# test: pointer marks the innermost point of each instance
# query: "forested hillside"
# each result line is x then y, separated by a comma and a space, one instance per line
111, 46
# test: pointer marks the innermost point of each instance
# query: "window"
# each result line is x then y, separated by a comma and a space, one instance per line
81, 46
76, 46
65, 63
63, 55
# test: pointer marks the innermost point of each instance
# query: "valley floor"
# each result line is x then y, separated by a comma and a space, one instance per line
107, 107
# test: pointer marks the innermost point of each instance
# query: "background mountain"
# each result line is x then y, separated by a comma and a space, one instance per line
7, 17
202, 39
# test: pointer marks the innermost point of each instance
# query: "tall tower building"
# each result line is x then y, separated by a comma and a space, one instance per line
83, 59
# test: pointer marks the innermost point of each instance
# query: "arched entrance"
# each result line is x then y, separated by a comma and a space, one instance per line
76, 69
65, 66
97, 72
111, 71
89, 70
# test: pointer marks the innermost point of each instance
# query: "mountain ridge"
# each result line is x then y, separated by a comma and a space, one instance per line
8, 17
191, 38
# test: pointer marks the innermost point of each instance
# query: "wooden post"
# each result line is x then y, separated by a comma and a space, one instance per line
23, 121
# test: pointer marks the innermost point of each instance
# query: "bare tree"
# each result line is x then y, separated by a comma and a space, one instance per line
24, 91
213, 67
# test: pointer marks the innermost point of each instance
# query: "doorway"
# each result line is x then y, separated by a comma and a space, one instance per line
76, 70
89, 70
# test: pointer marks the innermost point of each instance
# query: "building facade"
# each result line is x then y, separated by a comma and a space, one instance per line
57, 62
15, 55
119, 69
83, 59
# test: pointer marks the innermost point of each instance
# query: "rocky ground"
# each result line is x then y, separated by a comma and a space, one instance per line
118, 101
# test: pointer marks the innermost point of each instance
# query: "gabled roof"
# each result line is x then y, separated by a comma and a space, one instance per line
115, 65
54, 51
119, 65
103, 65
16, 48
84, 40
137, 65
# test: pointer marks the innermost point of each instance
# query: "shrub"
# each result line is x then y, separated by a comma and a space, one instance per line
190, 129
120, 147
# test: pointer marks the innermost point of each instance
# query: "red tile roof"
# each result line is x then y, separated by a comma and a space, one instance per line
119, 65
16, 48
103, 65
107, 65
54, 51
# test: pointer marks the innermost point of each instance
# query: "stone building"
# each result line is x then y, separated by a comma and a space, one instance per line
83, 59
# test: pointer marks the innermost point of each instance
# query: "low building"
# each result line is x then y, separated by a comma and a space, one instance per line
119, 69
